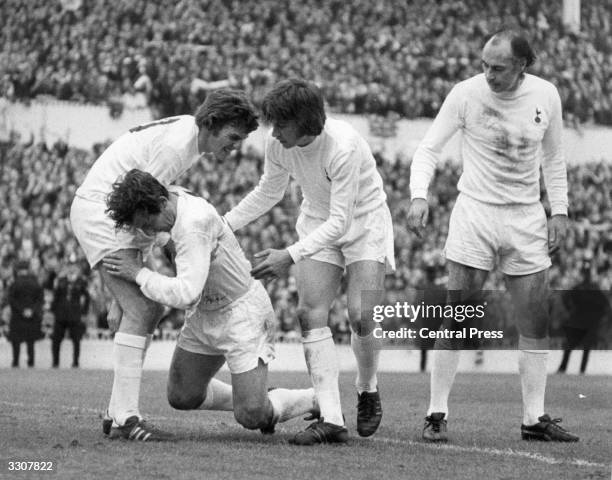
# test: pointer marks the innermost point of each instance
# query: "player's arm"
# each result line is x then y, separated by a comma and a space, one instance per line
268, 192
445, 125
192, 266
192, 261
555, 175
344, 175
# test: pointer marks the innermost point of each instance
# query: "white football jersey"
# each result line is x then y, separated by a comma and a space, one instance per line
165, 148
211, 268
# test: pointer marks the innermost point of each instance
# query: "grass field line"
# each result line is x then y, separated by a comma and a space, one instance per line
508, 452
455, 448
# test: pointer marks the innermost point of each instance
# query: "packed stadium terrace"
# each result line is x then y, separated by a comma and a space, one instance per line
369, 57
39, 184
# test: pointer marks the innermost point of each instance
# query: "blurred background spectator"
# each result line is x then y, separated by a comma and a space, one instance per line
369, 57
586, 306
69, 306
25, 299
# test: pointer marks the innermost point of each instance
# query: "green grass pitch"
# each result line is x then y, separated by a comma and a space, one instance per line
53, 415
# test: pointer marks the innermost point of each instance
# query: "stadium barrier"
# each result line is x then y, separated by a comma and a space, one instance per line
85, 125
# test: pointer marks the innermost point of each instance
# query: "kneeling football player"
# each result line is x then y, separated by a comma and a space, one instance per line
229, 316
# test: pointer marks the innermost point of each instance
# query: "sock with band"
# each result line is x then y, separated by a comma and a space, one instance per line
218, 396
320, 354
367, 354
128, 354
533, 362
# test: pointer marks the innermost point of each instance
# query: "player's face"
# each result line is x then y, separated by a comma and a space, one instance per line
502, 71
150, 223
220, 145
288, 134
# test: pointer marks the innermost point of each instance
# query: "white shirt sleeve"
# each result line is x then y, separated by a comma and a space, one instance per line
426, 156
192, 266
553, 162
344, 175
268, 192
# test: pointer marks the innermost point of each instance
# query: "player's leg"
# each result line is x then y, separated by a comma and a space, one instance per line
191, 385
140, 316
530, 299
470, 254
365, 290
463, 281
243, 332
526, 265
317, 285
255, 406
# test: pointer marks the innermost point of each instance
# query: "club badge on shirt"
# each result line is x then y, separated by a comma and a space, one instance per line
538, 115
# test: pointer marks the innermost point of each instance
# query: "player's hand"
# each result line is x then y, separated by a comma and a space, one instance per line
418, 214
114, 316
275, 263
124, 266
557, 230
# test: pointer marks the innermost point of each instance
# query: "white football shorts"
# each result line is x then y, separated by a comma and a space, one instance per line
480, 233
369, 237
96, 232
243, 331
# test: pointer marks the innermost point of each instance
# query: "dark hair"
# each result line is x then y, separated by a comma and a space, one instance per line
521, 48
136, 190
226, 107
295, 100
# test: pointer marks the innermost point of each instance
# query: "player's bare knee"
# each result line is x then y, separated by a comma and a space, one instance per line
361, 327
312, 317
180, 400
143, 321
535, 325
251, 416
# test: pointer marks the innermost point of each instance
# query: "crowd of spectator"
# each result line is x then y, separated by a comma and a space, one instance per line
369, 57
39, 184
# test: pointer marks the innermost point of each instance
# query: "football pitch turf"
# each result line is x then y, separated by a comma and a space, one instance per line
53, 416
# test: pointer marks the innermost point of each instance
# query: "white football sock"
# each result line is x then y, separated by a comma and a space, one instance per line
320, 353
218, 396
533, 370
367, 353
443, 369
128, 355
291, 403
